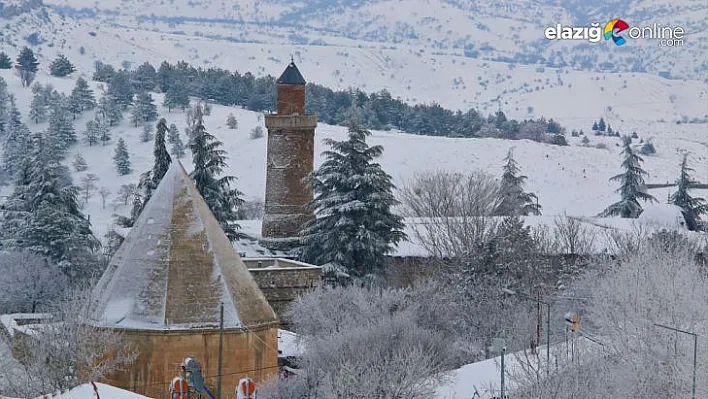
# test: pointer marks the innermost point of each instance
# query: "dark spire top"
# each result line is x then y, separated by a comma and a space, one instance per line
291, 76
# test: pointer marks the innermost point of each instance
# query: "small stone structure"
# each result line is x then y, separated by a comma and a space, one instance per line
290, 160
283, 280
163, 290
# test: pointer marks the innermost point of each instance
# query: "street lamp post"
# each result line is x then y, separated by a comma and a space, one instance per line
695, 353
548, 323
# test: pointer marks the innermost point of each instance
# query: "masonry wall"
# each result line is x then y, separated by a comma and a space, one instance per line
251, 353
282, 286
290, 159
291, 99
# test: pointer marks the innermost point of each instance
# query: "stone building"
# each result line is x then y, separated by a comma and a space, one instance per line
290, 159
163, 290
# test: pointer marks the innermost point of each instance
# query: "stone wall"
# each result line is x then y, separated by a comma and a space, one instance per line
283, 282
252, 353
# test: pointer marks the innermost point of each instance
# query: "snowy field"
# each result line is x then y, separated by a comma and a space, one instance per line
572, 179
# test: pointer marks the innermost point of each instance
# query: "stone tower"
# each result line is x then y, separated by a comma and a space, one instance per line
290, 159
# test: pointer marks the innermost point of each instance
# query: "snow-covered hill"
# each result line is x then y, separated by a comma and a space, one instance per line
511, 29
358, 44
571, 179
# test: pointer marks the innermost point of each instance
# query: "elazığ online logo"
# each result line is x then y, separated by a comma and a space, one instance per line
612, 28
617, 30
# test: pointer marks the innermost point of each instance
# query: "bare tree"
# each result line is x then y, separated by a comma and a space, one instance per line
104, 193
28, 282
658, 283
88, 185
573, 236
60, 355
126, 192
451, 210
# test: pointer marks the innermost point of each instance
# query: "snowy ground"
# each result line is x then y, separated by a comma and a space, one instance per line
484, 378
572, 179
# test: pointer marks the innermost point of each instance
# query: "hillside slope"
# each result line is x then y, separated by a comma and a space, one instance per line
571, 179
417, 71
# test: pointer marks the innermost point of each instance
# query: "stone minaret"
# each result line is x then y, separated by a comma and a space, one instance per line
290, 159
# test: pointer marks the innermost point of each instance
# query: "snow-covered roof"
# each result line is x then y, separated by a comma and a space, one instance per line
12, 322
84, 391
654, 218
250, 247
288, 344
662, 215
175, 267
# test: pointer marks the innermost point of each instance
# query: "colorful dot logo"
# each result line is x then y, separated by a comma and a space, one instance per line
612, 28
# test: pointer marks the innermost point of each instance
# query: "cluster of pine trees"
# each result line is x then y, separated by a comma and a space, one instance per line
209, 160
378, 111
633, 189
43, 213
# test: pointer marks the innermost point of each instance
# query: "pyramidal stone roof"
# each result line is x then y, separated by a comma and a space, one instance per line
291, 76
176, 267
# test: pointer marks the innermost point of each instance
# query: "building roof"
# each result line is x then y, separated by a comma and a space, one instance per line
175, 267
656, 218
291, 76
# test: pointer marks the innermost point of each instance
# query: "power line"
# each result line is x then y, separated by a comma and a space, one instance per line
208, 378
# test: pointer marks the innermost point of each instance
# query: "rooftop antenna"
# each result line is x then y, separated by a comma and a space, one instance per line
292, 59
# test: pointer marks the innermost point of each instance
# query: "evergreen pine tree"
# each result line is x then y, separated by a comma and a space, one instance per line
144, 110
17, 143
601, 125
4, 108
42, 215
103, 131
355, 226
91, 133
209, 162
585, 140
692, 207
177, 97
595, 127
172, 133
231, 122
122, 158
176, 145
61, 66
5, 61
121, 90
146, 134
162, 157
152, 178
145, 77
81, 97
632, 186
79, 163
109, 110
38, 108
103, 72
513, 200
164, 76
61, 128
27, 66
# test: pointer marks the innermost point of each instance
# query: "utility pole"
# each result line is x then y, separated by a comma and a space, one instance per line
221, 350
695, 354
503, 351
